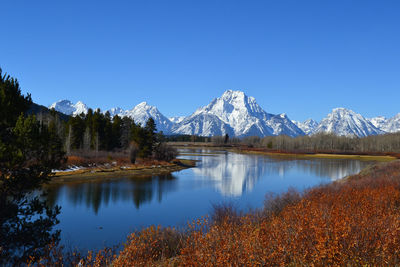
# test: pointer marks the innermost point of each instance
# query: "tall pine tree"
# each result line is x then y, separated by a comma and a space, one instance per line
28, 152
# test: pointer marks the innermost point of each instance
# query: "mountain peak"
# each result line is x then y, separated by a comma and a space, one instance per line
310, 121
346, 122
307, 126
342, 110
143, 104
67, 107
244, 116
233, 93
63, 102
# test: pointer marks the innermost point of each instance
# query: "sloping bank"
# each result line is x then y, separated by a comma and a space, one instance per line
320, 154
108, 171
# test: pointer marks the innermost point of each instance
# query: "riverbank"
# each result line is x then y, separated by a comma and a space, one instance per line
112, 171
301, 155
372, 156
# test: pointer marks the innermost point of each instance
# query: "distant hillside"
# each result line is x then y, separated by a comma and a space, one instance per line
37, 109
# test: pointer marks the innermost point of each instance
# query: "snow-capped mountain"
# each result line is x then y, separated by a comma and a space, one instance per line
281, 124
307, 126
234, 111
68, 108
204, 125
346, 122
378, 122
116, 111
142, 112
390, 125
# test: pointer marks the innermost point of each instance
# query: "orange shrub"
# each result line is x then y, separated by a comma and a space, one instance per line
153, 244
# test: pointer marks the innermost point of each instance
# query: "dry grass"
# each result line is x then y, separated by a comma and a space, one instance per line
92, 158
382, 157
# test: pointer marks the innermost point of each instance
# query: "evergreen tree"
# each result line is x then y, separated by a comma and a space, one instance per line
226, 138
28, 152
77, 125
116, 132
108, 132
150, 129
126, 131
12, 102
140, 138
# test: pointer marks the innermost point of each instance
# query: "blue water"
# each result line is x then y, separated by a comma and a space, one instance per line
103, 213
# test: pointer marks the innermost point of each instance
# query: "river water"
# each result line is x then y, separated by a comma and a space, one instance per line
104, 212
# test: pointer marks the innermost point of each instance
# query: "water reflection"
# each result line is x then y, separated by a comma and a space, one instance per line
232, 174
95, 195
238, 173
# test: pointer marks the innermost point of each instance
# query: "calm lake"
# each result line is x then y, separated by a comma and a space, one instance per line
103, 213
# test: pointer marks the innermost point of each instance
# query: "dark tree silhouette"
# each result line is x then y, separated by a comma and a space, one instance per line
28, 152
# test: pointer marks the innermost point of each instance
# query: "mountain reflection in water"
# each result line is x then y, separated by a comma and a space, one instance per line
238, 173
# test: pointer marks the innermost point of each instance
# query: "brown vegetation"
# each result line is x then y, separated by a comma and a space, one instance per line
93, 158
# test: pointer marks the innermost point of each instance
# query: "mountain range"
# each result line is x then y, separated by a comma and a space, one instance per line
236, 114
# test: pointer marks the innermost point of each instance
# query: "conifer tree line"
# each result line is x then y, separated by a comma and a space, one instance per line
96, 131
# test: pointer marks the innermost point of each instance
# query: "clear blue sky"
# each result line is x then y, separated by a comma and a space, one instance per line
299, 57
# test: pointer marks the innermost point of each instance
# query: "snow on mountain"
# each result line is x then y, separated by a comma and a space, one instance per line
307, 126
242, 114
142, 112
281, 124
68, 108
346, 122
177, 119
116, 111
204, 125
378, 122
392, 125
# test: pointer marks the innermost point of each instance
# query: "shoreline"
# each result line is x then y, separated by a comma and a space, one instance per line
301, 154
384, 158
96, 173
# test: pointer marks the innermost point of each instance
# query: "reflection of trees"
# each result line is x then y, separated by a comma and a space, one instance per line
237, 173
97, 194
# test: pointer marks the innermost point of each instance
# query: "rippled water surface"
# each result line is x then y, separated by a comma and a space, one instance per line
104, 212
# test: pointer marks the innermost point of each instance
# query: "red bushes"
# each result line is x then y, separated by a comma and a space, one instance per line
358, 222
151, 245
